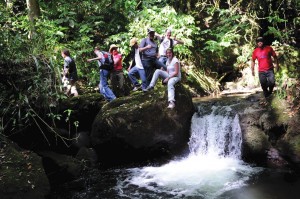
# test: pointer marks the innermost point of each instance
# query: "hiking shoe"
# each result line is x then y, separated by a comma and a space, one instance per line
171, 105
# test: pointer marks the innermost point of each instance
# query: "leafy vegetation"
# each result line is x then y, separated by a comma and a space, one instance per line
217, 35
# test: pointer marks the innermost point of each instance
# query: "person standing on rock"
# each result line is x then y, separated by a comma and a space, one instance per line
136, 66
149, 49
263, 54
166, 42
117, 76
103, 85
70, 72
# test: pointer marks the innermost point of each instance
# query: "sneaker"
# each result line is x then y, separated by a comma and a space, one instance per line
135, 88
149, 88
171, 105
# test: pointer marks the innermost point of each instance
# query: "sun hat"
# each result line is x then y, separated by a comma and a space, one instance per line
112, 47
150, 30
133, 41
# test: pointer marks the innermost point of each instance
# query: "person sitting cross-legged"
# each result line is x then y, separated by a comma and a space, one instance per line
170, 77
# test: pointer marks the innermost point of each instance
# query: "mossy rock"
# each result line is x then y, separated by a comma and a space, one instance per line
21, 173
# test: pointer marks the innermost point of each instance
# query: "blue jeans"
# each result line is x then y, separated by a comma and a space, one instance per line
150, 64
103, 86
131, 74
267, 81
163, 59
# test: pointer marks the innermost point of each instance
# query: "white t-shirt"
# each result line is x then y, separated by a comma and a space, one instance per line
171, 66
164, 45
137, 59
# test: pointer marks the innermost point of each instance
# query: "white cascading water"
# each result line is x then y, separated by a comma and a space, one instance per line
216, 135
212, 168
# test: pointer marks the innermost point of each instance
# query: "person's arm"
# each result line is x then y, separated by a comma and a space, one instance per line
117, 59
132, 57
174, 74
99, 57
65, 71
66, 67
129, 68
142, 46
178, 40
158, 36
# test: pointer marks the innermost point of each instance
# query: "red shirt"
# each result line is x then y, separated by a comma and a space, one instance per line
264, 58
118, 66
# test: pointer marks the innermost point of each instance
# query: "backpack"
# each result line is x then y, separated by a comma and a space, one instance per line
171, 41
108, 63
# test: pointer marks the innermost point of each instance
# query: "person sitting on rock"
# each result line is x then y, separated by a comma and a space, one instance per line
170, 77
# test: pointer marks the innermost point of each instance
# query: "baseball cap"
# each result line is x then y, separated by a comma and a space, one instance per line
259, 39
150, 30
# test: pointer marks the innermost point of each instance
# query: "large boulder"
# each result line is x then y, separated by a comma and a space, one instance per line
267, 128
141, 127
21, 173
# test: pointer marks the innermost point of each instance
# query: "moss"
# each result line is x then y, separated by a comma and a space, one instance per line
280, 111
21, 171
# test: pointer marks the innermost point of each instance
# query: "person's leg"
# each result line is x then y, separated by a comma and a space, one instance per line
264, 83
121, 82
147, 64
171, 88
160, 65
120, 79
158, 73
131, 75
68, 89
114, 80
73, 88
103, 86
271, 81
163, 59
143, 78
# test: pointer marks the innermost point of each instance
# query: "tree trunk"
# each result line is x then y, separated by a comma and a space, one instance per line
33, 13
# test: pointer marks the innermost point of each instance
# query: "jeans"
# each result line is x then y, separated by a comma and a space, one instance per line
103, 86
163, 59
267, 81
149, 65
172, 81
131, 74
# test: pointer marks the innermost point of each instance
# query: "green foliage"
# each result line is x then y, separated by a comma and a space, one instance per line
27, 93
223, 35
183, 26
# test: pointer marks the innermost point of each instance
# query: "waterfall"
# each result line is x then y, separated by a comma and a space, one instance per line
212, 168
216, 134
